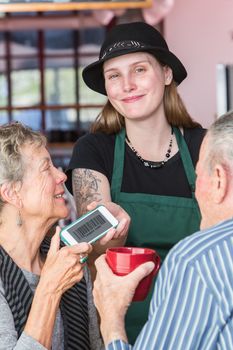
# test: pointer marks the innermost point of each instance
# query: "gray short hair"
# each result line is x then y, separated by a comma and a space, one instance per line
220, 142
13, 137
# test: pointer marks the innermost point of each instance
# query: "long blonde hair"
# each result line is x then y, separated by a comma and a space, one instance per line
109, 121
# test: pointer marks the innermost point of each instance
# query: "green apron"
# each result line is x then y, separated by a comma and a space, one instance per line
157, 222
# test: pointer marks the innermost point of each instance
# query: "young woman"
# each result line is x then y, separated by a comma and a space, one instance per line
144, 145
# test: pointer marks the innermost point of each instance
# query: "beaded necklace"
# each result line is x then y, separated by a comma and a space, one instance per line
150, 164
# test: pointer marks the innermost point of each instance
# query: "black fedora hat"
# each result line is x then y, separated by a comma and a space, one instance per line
128, 38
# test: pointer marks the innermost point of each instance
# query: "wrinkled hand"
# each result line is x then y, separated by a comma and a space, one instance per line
113, 294
121, 215
62, 268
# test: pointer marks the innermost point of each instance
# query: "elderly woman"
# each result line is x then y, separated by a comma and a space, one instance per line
45, 293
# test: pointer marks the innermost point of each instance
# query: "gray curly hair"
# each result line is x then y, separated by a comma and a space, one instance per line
220, 136
13, 137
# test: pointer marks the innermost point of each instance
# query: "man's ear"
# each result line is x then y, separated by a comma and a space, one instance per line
10, 194
220, 183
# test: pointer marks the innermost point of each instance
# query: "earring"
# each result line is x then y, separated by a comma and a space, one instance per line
19, 221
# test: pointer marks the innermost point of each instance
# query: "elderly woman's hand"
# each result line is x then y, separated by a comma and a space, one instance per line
62, 268
120, 232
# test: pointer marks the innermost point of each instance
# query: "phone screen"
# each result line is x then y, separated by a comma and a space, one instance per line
89, 227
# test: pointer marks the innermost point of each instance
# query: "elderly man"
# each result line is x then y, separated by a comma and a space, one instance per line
192, 305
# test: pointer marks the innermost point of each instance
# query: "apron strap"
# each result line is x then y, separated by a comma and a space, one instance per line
186, 159
118, 165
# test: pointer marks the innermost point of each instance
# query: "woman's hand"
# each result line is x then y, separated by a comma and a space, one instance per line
62, 268
120, 232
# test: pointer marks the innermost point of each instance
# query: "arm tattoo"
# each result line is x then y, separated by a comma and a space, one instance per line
85, 188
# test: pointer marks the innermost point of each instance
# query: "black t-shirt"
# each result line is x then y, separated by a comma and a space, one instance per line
96, 152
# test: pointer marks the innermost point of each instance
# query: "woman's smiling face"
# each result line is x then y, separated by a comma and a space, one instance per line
135, 84
42, 187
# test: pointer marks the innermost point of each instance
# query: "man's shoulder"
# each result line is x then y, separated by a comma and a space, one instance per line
204, 253
193, 247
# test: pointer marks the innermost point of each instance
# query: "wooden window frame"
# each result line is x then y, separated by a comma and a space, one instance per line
53, 5
41, 55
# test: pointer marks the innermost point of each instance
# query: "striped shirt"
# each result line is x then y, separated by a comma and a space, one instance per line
192, 304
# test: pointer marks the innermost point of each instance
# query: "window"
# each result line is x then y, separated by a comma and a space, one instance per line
40, 79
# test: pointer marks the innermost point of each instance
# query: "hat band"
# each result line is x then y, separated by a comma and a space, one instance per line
123, 45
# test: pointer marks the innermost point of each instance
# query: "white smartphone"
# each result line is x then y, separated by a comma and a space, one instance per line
89, 227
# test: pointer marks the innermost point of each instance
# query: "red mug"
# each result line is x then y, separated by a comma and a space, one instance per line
123, 260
